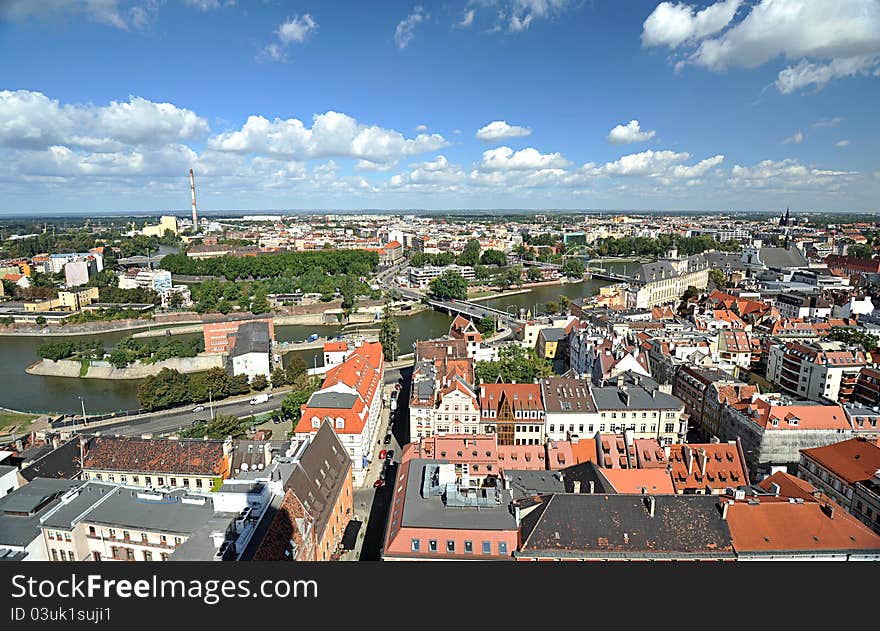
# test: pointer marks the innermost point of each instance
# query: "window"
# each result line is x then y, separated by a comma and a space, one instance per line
144, 537
135, 479
469, 547
185, 482
450, 546
123, 479
316, 423
432, 545
177, 541
110, 477
54, 554
96, 556
148, 481
173, 481
148, 556
112, 532
198, 483
416, 544
487, 547
502, 548
160, 481
125, 534
670, 427
129, 554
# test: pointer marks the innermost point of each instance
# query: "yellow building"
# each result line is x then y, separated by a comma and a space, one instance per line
70, 300
166, 222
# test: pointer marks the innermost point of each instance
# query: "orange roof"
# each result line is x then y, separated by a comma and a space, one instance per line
530, 457
393, 244
789, 486
520, 396
852, 460
764, 413
335, 347
779, 526
584, 450
715, 466
655, 481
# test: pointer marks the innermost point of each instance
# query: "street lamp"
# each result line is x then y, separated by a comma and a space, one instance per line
83, 403
211, 404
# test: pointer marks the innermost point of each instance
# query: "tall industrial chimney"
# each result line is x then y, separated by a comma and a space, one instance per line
192, 186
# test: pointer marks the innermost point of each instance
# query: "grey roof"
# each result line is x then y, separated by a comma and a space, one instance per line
332, 400
435, 511
553, 334
597, 525
633, 398
251, 337
4, 469
124, 507
199, 546
31, 502
725, 260
525, 482
782, 258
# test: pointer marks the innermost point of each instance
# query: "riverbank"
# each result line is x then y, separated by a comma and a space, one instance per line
105, 370
524, 290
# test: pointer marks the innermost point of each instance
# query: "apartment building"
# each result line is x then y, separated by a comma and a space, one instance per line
350, 398
665, 280
442, 396
648, 413
817, 371
569, 409
512, 411
220, 336
196, 465
847, 473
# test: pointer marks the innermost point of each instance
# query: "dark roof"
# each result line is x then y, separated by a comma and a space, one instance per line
320, 475
588, 525
586, 472
59, 463
633, 398
20, 511
156, 455
251, 337
525, 482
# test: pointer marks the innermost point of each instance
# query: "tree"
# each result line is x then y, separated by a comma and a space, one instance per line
259, 304
689, 293
449, 285
470, 255
389, 334
493, 257
222, 426
56, 350
534, 274
718, 278
573, 268
296, 368
292, 404
552, 307
860, 251
564, 303
515, 363
259, 382
853, 336
486, 326
279, 378
40, 320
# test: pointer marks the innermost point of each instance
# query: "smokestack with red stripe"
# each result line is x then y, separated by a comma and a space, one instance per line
192, 186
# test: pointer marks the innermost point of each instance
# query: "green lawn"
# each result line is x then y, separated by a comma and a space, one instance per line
13, 420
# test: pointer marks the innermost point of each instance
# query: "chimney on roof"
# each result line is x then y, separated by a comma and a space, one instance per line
56, 441
650, 504
724, 505
577, 486
702, 459
688, 455
666, 451
774, 488
828, 509
267, 451
592, 486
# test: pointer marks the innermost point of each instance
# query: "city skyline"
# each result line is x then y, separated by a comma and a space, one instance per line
471, 104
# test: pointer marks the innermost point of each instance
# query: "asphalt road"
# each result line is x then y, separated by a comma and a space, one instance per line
179, 418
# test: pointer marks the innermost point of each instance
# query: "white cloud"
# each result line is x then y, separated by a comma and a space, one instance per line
671, 24
827, 122
829, 39
788, 174
421, 128
467, 20
805, 73
697, 170
332, 134
293, 31
796, 139
506, 159
208, 5
523, 12
646, 163
405, 31
500, 130
296, 30
841, 143
629, 133
32, 120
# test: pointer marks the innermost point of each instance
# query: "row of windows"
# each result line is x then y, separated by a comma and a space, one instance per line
126, 536
416, 546
516, 414
148, 480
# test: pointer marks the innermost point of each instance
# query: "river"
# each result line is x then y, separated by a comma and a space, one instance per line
24, 392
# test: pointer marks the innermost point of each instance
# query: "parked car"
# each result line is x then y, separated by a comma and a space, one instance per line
198, 408
389, 455
378, 483
382, 454
387, 440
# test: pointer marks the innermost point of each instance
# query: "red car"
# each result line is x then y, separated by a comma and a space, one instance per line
382, 454
378, 483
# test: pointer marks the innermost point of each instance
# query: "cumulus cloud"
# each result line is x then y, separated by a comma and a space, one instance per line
32, 120
500, 130
795, 139
332, 134
699, 169
827, 39
787, 174
506, 159
467, 20
421, 128
405, 31
629, 133
292, 31
671, 24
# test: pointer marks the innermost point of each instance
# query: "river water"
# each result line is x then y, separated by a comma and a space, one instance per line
24, 392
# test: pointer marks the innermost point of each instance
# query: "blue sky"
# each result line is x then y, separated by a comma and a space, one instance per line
731, 105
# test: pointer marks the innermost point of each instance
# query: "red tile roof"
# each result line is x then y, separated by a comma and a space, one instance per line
852, 460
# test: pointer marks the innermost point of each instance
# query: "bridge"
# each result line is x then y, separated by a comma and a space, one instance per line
603, 274
474, 311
